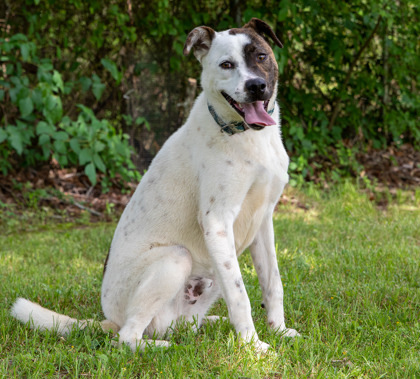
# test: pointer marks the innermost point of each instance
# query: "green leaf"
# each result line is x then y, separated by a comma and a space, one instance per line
85, 82
87, 111
60, 136
112, 68
74, 144
90, 171
60, 147
97, 89
44, 128
99, 162
58, 80
37, 97
24, 50
62, 159
85, 156
53, 109
18, 38
26, 106
15, 139
98, 146
140, 120
1, 94
44, 139
3, 135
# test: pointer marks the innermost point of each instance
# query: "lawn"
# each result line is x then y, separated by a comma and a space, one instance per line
351, 274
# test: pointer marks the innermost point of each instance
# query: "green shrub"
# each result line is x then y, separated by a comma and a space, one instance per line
34, 129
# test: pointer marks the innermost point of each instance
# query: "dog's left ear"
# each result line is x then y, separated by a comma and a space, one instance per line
263, 29
200, 39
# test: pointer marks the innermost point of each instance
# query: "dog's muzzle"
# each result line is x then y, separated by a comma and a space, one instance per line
256, 88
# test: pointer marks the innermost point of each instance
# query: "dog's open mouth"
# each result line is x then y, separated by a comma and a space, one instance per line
253, 113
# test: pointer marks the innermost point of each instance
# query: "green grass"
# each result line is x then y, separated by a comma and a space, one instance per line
351, 274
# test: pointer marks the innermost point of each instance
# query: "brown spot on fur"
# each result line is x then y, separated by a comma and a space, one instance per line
229, 162
212, 199
228, 265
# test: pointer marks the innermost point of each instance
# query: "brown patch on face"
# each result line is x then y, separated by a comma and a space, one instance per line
267, 68
262, 28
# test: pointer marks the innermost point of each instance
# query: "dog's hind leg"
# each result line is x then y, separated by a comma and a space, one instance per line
160, 283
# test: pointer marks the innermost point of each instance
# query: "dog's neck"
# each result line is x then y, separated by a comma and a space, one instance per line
234, 127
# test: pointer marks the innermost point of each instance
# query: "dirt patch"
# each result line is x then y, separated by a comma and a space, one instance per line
70, 192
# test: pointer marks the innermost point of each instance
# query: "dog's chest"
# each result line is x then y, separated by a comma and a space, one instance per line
259, 202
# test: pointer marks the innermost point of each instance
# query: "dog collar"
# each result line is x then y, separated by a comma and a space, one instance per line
234, 126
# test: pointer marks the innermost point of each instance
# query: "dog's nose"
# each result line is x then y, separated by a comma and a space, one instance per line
256, 87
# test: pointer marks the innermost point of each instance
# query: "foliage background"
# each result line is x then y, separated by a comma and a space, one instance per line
90, 83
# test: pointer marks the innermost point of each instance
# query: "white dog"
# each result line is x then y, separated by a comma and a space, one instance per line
208, 195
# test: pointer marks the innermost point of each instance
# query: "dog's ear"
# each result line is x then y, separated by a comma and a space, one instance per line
263, 29
200, 39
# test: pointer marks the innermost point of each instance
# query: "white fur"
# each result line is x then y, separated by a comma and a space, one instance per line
206, 197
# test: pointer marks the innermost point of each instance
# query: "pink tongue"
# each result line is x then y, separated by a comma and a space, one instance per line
256, 114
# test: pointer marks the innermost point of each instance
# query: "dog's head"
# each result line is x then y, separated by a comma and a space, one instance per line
239, 69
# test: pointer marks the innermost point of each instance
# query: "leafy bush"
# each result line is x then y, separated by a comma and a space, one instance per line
348, 71
34, 129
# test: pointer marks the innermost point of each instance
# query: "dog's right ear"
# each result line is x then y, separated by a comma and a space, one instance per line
200, 39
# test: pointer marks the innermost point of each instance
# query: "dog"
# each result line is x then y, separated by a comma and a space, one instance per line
208, 195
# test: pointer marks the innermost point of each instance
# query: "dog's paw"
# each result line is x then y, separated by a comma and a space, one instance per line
195, 287
261, 347
141, 345
289, 333
255, 343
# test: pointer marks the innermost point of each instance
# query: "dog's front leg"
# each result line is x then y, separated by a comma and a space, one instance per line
263, 254
219, 238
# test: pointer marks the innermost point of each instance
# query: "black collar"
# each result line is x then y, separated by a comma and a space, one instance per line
234, 126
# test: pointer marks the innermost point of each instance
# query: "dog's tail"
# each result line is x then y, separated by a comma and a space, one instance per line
43, 319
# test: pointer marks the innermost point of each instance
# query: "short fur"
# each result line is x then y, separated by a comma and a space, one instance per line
206, 197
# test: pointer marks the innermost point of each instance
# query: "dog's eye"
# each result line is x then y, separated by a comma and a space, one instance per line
261, 57
227, 65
